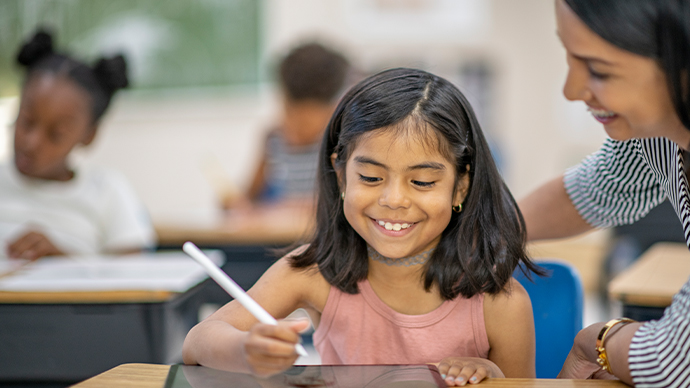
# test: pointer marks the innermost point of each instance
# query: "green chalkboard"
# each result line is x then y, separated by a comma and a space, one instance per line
168, 43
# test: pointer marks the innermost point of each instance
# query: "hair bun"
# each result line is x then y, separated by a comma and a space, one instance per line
112, 73
40, 46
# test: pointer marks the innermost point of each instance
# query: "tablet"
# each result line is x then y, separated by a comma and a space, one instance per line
311, 376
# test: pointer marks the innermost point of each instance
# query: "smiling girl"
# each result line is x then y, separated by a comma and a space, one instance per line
417, 238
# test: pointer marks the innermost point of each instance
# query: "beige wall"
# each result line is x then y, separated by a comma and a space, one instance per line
163, 141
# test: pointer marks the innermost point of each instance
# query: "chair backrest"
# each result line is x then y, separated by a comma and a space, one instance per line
557, 306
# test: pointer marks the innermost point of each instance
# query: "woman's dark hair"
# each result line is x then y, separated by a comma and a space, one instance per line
100, 81
480, 247
658, 29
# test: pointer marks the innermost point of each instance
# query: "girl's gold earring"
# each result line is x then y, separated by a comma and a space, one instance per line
457, 208
342, 195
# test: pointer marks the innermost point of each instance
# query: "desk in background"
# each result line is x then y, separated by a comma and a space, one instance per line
63, 320
647, 287
248, 238
276, 224
154, 376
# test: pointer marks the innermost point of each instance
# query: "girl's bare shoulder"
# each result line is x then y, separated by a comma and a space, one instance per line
512, 300
307, 282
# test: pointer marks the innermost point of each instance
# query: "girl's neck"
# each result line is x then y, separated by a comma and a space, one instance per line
397, 273
59, 175
419, 259
401, 287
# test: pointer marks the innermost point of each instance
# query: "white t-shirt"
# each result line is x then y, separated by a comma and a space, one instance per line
95, 212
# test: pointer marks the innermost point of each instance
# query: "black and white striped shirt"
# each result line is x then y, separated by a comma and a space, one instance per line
617, 185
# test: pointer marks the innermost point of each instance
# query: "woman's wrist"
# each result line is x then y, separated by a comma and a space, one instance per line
606, 331
586, 340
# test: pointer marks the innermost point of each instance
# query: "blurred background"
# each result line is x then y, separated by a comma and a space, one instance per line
203, 85
204, 92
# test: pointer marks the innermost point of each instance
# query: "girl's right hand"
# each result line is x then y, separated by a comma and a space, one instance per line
270, 349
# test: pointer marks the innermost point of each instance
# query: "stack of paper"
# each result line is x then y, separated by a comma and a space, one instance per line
170, 271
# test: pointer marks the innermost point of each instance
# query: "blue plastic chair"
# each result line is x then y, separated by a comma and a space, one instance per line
557, 306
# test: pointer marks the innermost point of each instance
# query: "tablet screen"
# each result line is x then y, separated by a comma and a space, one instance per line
311, 376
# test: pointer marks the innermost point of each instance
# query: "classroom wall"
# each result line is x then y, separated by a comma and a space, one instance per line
538, 131
164, 141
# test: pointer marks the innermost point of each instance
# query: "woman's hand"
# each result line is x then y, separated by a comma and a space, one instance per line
577, 366
581, 362
270, 349
32, 246
458, 371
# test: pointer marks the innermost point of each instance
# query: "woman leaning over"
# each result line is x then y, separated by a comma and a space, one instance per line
629, 61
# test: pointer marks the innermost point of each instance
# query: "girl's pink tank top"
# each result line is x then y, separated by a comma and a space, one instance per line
362, 329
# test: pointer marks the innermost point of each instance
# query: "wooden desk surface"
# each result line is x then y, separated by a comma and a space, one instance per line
77, 297
153, 376
654, 278
278, 224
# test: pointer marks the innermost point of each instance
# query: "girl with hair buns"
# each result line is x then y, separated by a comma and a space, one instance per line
47, 207
629, 62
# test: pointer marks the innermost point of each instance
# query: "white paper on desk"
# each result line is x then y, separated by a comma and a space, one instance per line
10, 265
172, 271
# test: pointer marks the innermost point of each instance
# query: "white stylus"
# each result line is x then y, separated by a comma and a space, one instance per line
233, 289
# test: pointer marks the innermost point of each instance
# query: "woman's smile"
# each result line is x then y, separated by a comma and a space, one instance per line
602, 115
626, 92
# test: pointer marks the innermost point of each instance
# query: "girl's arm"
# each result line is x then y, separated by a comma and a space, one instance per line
259, 179
510, 328
232, 339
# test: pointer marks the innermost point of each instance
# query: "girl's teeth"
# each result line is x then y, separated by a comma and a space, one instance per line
396, 226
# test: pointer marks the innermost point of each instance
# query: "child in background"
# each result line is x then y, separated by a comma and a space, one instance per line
416, 241
311, 79
46, 206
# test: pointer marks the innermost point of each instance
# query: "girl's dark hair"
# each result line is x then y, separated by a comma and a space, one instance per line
658, 29
100, 81
480, 247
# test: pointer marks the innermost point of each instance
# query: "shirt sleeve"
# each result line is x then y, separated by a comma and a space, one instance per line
126, 222
659, 354
613, 186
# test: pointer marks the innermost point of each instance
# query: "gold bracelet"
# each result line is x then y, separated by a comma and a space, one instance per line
603, 359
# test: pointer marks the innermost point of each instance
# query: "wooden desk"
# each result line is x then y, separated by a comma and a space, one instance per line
278, 224
650, 283
72, 297
52, 334
153, 376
